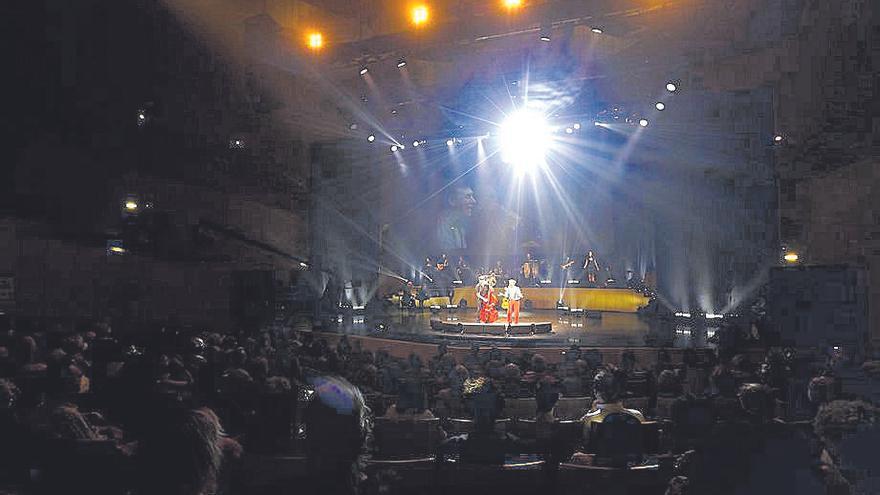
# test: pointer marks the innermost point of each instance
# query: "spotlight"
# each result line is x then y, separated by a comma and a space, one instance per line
597, 30
777, 138
512, 4
660, 106
577, 126
671, 87
141, 118
303, 264
419, 15
394, 148
315, 41
401, 64
524, 139
364, 71
449, 142
371, 138
415, 143
545, 38
791, 257
569, 130
131, 205
643, 122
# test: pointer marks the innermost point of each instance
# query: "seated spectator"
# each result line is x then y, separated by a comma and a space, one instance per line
67, 423
337, 424
485, 445
442, 362
183, 453
410, 402
822, 388
724, 394
608, 386
668, 389
849, 434
511, 386
757, 402
473, 361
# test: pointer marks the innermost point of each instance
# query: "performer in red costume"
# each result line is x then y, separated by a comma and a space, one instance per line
488, 299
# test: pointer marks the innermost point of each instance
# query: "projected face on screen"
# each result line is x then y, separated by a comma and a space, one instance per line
453, 225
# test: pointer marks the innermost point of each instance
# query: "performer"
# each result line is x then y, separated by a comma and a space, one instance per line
530, 269
488, 300
565, 270
591, 267
514, 297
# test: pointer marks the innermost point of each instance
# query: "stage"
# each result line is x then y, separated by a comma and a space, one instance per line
590, 329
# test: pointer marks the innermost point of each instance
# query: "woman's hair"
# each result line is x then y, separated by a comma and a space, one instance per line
668, 382
182, 454
338, 425
608, 384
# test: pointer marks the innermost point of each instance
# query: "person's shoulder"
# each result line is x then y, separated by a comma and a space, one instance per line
638, 414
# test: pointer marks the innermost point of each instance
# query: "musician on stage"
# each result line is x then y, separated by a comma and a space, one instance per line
565, 270
514, 297
488, 300
591, 267
530, 269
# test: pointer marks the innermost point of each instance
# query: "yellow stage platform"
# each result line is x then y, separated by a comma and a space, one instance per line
620, 300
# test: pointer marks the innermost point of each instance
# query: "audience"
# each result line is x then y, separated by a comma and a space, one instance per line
154, 400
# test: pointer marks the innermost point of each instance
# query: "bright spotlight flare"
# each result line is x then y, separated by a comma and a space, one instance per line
524, 138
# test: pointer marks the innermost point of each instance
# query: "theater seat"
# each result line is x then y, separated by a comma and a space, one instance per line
457, 426
620, 440
638, 403
573, 407
519, 408
577, 479
526, 478
406, 438
404, 476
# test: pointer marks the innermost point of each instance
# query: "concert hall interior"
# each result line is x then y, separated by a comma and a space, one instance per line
379, 247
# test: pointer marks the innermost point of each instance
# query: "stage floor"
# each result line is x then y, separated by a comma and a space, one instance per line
611, 330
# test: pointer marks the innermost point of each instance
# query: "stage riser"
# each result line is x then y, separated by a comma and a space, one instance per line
491, 329
619, 300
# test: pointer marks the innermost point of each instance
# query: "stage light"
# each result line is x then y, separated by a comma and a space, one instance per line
524, 138
713, 316
449, 142
683, 315
371, 138
415, 143
419, 15
643, 122
401, 64
597, 30
671, 87
364, 71
569, 130
117, 249
660, 106
353, 126
315, 41
131, 205
577, 126
394, 148
777, 138
791, 257
545, 38
512, 4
